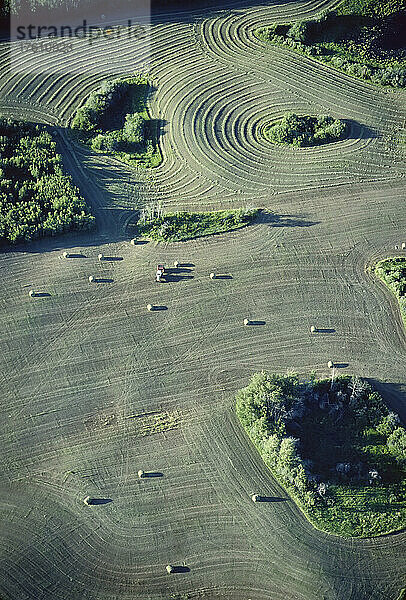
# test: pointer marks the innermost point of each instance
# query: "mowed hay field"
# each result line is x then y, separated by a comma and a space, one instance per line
95, 387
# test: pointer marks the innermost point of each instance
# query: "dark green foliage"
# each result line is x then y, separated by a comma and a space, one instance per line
134, 128
115, 120
334, 446
181, 226
397, 444
392, 271
305, 131
36, 198
364, 38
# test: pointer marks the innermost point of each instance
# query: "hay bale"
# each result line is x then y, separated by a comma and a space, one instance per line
100, 256
31, 293
396, 247
212, 276
133, 242
330, 364
313, 329
255, 497
141, 474
246, 321
403, 245
65, 255
170, 568
150, 307
176, 264
87, 500
91, 278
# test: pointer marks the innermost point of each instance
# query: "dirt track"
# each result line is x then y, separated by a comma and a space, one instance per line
81, 366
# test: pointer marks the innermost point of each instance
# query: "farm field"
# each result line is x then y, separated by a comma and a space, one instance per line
94, 387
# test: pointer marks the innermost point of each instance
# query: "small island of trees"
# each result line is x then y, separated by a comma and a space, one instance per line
335, 447
115, 120
305, 130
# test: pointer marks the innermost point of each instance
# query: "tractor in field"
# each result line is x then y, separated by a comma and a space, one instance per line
160, 273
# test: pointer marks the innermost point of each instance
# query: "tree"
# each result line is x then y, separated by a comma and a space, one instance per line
134, 128
397, 444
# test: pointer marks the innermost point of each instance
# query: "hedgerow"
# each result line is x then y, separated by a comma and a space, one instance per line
181, 226
392, 271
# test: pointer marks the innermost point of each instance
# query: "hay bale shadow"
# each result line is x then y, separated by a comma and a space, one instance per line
341, 365
42, 295
186, 265
112, 258
158, 308
223, 277
77, 256
152, 474
271, 499
99, 501
103, 280
257, 323
180, 569
319, 330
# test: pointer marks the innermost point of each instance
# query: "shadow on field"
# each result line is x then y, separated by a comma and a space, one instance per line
99, 501
111, 258
159, 307
285, 220
178, 274
271, 499
321, 330
358, 131
103, 280
394, 395
223, 277
152, 474
254, 323
180, 569
42, 295
77, 256
343, 365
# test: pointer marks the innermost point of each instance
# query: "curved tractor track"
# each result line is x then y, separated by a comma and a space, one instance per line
86, 370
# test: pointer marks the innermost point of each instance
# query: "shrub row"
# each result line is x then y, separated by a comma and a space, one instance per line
181, 226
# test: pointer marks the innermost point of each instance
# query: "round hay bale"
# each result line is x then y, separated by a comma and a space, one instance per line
212, 276
330, 364
87, 500
91, 278
149, 307
313, 329
133, 242
396, 247
100, 256
65, 255
31, 293
176, 264
141, 473
170, 568
246, 321
255, 497
403, 245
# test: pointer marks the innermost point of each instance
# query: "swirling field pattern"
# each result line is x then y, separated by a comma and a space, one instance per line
87, 369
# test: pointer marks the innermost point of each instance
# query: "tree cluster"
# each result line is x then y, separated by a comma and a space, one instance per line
317, 434
306, 130
36, 197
